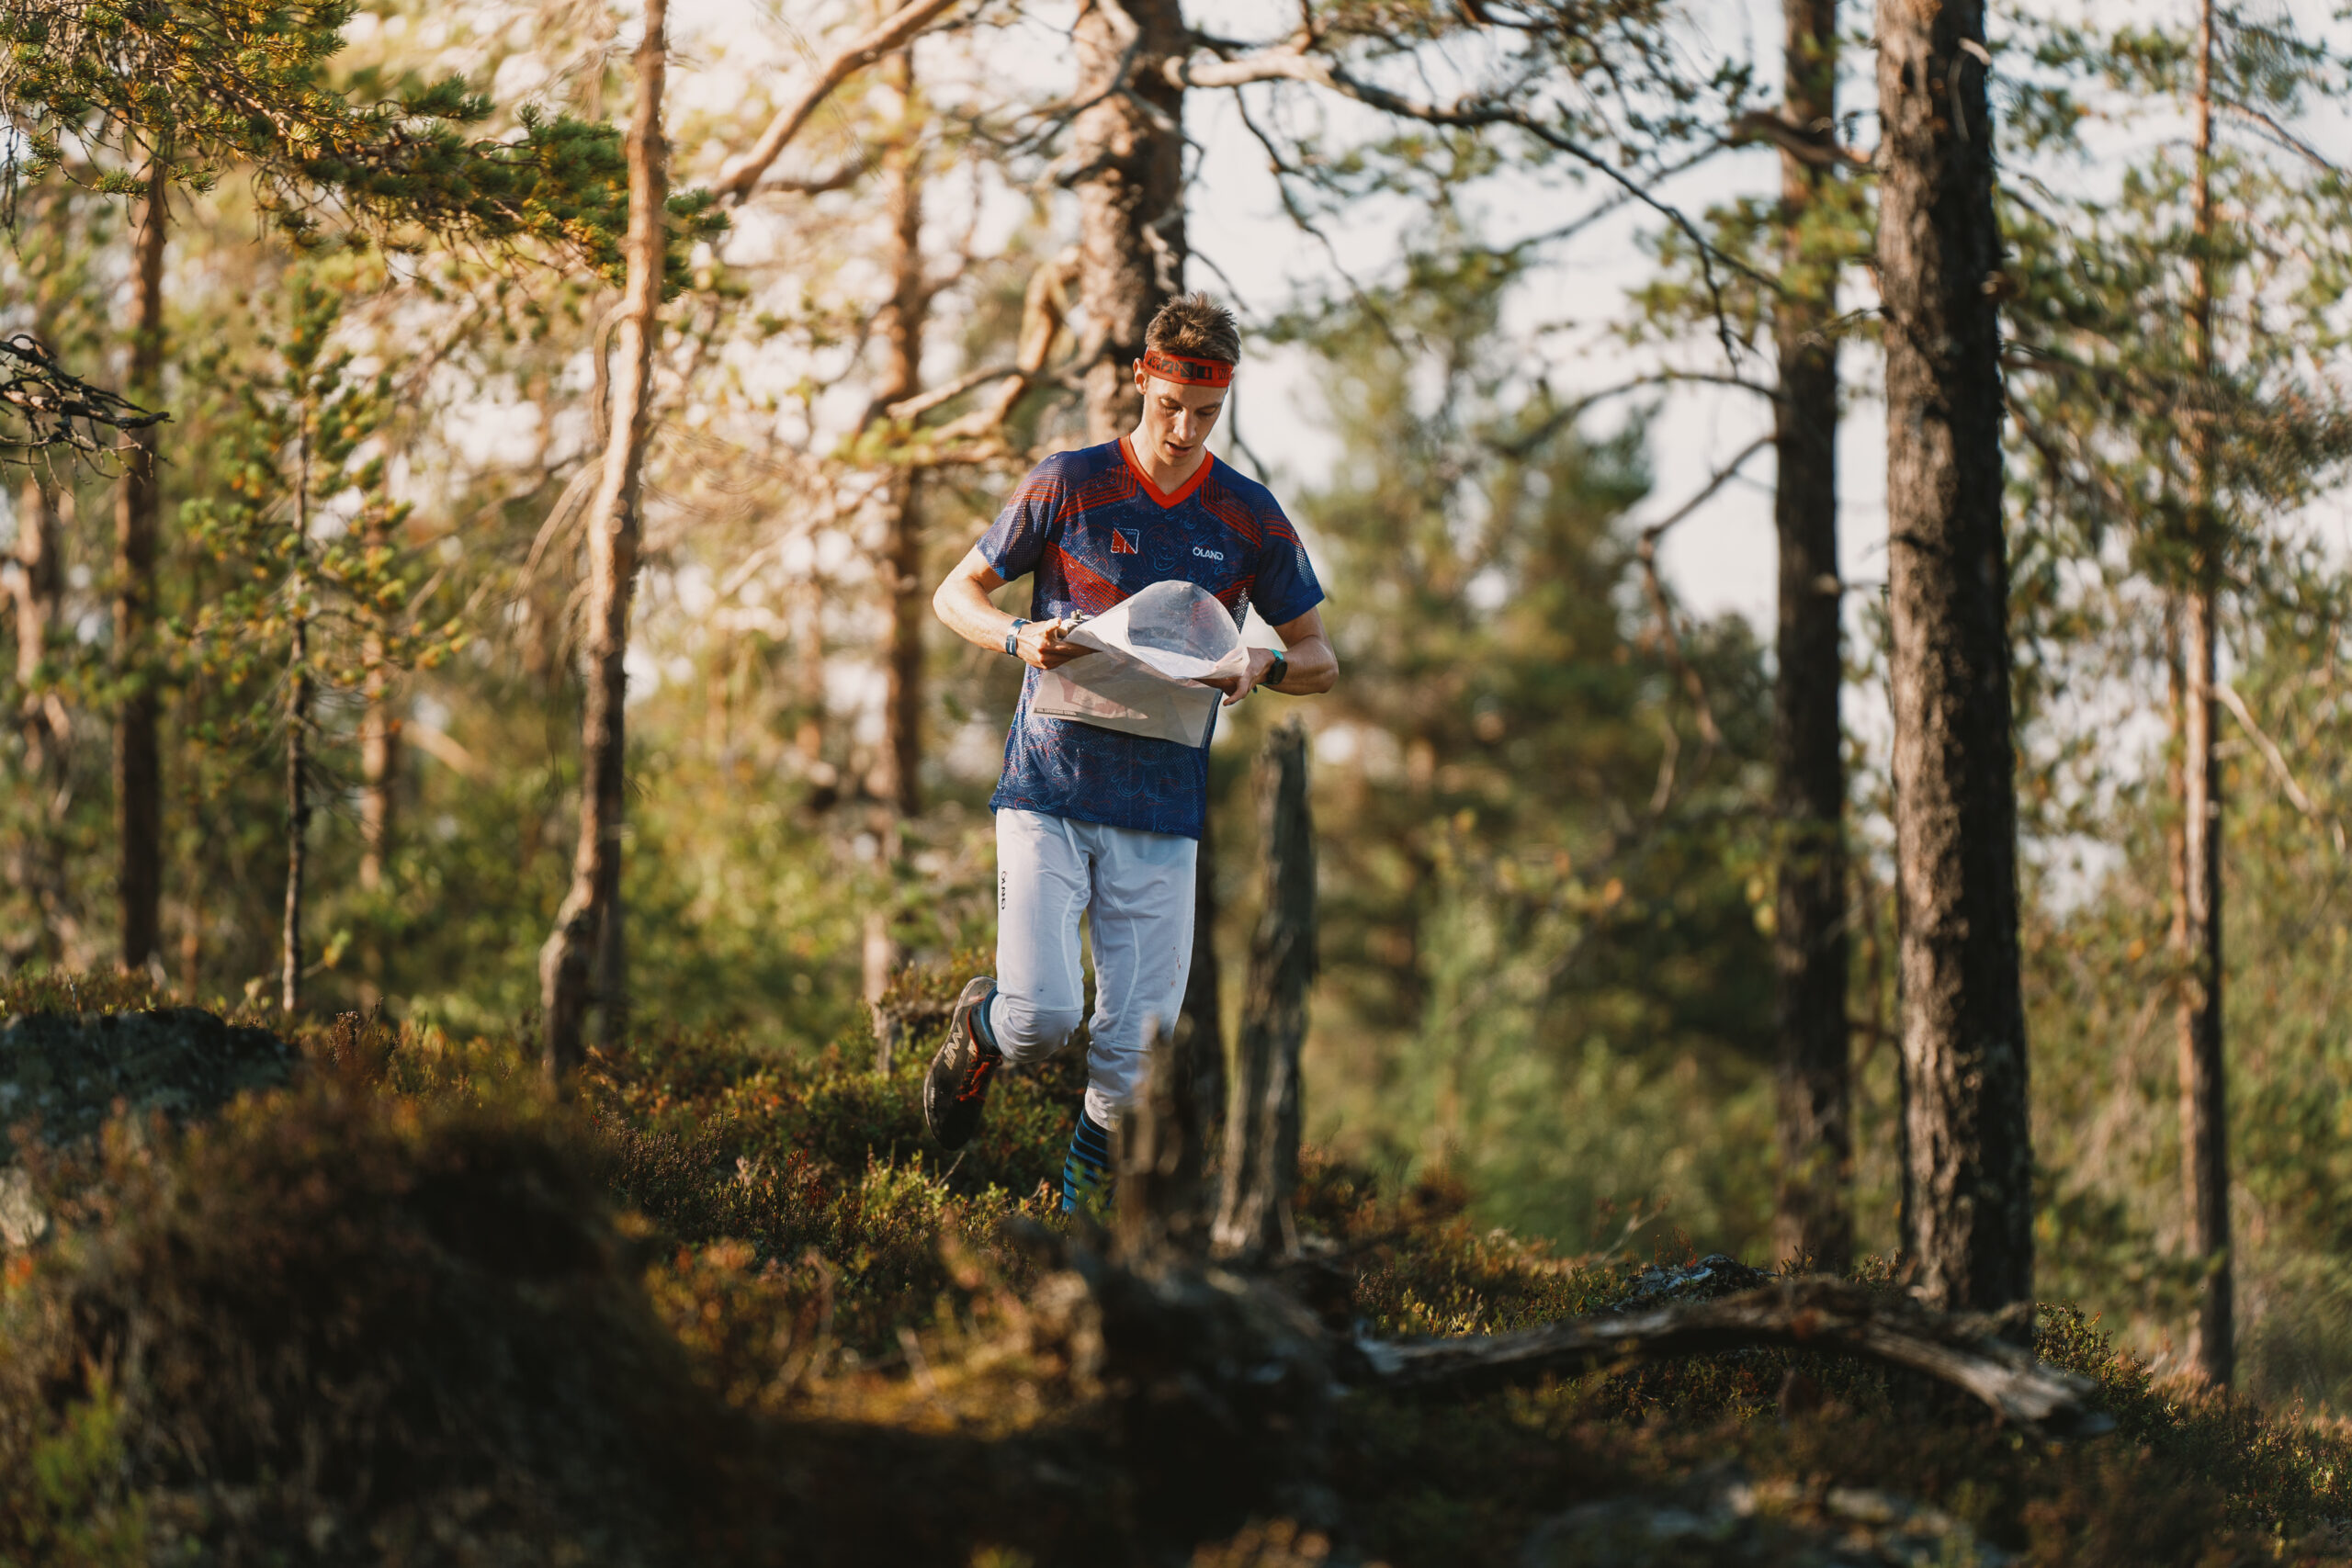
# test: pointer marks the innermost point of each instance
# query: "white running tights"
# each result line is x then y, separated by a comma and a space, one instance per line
1135, 889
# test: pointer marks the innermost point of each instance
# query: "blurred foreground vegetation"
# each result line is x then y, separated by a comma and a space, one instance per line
727, 1310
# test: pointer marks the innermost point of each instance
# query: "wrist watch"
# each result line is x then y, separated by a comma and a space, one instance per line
1276, 671
1012, 634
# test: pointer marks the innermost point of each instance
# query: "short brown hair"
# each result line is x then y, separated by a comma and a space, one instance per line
1198, 325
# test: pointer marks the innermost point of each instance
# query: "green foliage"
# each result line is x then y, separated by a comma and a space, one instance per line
210, 84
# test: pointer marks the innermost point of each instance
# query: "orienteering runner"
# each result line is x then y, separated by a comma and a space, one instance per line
1096, 821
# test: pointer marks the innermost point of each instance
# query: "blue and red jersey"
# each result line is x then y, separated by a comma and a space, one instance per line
1094, 530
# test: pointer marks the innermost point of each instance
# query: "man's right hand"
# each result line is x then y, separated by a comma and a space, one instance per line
1045, 644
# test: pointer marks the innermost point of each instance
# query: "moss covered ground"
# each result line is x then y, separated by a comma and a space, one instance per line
727, 1307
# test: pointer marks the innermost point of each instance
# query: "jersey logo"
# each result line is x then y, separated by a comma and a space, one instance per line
1126, 541
1208, 554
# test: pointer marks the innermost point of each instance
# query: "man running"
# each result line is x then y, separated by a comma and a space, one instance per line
1095, 820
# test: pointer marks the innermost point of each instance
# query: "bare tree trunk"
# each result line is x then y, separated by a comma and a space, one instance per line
297, 726
138, 765
379, 751
903, 699
36, 586
1810, 942
898, 778
591, 908
1964, 1023
1262, 1139
2204, 1111
1201, 1026
902, 339
1129, 150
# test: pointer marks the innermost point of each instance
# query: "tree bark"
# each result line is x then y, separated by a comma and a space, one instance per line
1129, 154
1810, 943
36, 587
591, 908
903, 343
897, 780
1261, 1139
1964, 1025
1200, 1025
137, 763
379, 743
2204, 1111
297, 724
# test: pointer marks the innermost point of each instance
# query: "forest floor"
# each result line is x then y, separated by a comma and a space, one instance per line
387, 1306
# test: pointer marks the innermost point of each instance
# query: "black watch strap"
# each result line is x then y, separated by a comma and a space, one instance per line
1276, 671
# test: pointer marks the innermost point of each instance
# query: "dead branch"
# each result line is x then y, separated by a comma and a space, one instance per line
57, 407
924, 402
1043, 309
738, 178
1816, 146
1797, 1315
1670, 638
2271, 754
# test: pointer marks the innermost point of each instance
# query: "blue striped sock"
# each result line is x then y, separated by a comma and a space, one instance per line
1086, 1174
984, 1029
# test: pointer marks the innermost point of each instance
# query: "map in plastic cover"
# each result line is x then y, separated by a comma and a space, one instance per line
1151, 655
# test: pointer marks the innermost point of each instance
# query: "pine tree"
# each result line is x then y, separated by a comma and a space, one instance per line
2170, 402
320, 595
590, 919
1968, 1143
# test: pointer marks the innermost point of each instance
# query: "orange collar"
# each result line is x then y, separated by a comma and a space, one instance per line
1163, 496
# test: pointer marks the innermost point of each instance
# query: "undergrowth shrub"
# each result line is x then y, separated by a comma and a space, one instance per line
342, 1326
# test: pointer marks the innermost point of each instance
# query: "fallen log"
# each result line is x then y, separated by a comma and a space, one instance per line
1801, 1314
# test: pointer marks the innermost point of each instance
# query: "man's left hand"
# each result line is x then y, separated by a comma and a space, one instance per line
1237, 687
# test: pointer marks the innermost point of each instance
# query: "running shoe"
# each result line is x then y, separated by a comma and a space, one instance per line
955, 1090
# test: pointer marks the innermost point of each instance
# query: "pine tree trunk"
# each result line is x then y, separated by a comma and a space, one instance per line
298, 729
2204, 1111
1810, 942
2204, 1129
138, 765
1964, 1023
903, 377
380, 742
1129, 148
34, 590
590, 910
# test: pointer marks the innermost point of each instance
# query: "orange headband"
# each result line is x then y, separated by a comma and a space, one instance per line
1187, 371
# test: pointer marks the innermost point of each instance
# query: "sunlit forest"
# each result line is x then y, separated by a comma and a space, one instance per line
1791, 1003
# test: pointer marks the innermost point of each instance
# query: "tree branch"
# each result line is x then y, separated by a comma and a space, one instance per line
2286, 138
1818, 149
2229, 699
1671, 641
924, 402
735, 183
1291, 61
